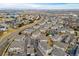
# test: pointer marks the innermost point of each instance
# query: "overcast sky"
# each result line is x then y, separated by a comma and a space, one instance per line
38, 6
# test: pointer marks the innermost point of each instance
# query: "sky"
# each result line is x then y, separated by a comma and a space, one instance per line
39, 6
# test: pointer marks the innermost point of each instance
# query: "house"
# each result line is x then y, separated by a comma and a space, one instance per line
3, 28
44, 48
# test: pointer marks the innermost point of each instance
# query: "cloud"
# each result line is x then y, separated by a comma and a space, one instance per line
40, 5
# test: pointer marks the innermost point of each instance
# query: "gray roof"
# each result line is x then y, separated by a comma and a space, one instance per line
58, 52
44, 45
60, 44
